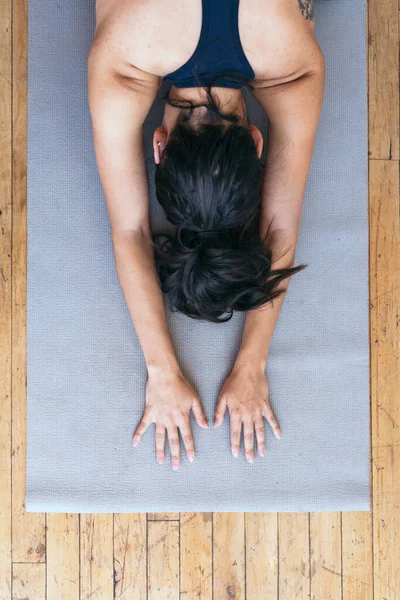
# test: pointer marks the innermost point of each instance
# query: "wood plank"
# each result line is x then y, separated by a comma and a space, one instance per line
5, 299
163, 516
229, 557
294, 556
130, 557
357, 542
196, 555
325, 556
163, 560
63, 556
96, 564
28, 529
383, 78
357, 555
29, 581
261, 556
385, 375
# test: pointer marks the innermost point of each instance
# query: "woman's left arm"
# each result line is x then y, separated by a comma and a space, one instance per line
293, 110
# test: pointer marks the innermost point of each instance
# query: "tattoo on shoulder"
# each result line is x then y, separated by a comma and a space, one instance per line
307, 9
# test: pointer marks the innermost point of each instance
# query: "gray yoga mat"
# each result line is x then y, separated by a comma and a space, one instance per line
86, 371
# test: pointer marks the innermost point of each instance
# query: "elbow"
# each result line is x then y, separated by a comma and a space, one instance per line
140, 234
281, 239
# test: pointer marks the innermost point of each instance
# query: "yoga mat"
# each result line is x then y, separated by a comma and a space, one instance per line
86, 371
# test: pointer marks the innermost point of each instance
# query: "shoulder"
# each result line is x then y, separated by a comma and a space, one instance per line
119, 42
280, 43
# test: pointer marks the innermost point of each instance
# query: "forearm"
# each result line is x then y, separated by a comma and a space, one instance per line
134, 260
288, 163
260, 323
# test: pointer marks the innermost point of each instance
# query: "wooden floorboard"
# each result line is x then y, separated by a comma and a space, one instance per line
204, 556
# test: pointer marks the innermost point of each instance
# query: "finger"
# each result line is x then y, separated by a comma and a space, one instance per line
175, 447
160, 443
248, 434
220, 410
236, 428
269, 415
187, 437
198, 413
260, 435
141, 428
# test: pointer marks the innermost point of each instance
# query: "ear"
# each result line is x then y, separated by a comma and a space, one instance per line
160, 137
258, 139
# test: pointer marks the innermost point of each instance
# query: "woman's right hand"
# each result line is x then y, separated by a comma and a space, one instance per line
169, 398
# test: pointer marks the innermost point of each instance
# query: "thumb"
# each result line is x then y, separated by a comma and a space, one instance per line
199, 413
220, 409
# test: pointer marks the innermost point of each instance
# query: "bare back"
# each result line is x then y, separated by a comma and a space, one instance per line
149, 38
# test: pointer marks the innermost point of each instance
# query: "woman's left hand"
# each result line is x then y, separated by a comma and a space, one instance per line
245, 394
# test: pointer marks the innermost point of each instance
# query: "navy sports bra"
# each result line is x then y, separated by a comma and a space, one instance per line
219, 49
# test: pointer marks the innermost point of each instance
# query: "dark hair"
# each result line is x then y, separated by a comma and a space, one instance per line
209, 183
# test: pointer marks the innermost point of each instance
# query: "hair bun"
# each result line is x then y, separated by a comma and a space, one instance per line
192, 238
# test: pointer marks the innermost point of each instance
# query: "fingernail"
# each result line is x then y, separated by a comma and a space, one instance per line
278, 435
235, 453
191, 457
175, 465
160, 458
250, 458
261, 452
134, 442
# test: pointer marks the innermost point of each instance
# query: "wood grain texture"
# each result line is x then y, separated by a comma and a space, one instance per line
130, 556
357, 556
385, 375
229, 556
28, 529
294, 556
325, 556
261, 556
63, 569
196, 555
163, 560
96, 556
168, 516
351, 556
29, 581
383, 78
5, 297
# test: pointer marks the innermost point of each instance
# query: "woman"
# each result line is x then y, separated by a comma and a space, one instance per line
232, 215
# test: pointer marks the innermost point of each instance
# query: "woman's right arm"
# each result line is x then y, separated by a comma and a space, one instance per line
118, 107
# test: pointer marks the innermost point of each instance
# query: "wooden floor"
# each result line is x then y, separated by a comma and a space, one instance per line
285, 556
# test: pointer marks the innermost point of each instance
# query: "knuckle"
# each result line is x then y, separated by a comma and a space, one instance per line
160, 435
235, 435
174, 441
260, 429
248, 437
188, 439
